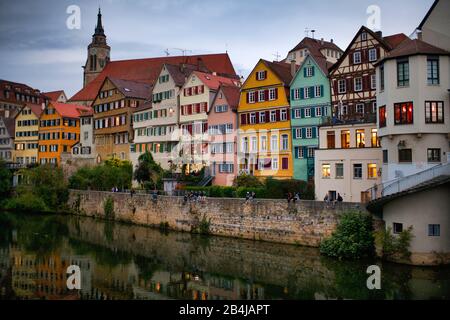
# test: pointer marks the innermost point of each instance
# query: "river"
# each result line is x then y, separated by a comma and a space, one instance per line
122, 262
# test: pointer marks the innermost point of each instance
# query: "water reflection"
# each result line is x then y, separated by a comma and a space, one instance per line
128, 262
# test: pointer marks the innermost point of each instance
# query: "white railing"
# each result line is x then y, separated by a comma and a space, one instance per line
400, 185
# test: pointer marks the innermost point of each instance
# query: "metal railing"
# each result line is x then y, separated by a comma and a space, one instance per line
403, 184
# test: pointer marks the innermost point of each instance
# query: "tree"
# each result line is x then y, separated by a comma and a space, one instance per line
247, 181
5, 180
148, 171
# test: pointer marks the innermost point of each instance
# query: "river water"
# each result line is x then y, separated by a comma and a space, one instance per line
124, 262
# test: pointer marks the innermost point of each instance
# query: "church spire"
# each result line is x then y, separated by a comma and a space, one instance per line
99, 28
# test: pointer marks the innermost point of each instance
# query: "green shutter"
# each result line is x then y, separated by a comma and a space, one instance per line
312, 73
302, 113
304, 133
304, 72
314, 132
311, 92
313, 112
321, 91
302, 95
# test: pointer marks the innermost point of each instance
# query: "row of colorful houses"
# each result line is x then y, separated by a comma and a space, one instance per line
339, 118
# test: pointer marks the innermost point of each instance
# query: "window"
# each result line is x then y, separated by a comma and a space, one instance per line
385, 156
345, 139
245, 144
296, 94
306, 93
311, 152
284, 142
342, 86
397, 227
381, 77
434, 230
357, 57
317, 91
434, 155
405, 155
308, 133
326, 171
274, 163
318, 112
363, 36
433, 70
373, 81
251, 97
403, 113
372, 54
357, 171
263, 143
274, 143
284, 163
300, 153
309, 71
403, 72
375, 142
307, 112
434, 112
339, 170
272, 94
358, 84
273, 116
261, 96
372, 172
360, 138
253, 118
261, 75
360, 108
262, 117
298, 133
254, 144
226, 168
283, 115
382, 116
331, 141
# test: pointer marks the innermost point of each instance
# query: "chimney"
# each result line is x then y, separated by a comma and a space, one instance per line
379, 34
331, 40
419, 34
321, 41
293, 67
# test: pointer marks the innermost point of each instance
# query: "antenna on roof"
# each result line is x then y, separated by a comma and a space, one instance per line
183, 51
167, 52
277, 56
313, 32
307, 32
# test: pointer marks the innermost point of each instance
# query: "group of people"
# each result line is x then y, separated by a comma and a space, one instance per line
293, 197
197, 196
114, 189
328, 199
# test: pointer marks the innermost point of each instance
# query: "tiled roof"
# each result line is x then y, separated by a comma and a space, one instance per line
35, 108
15, 87
412, 47
180, 72
213, 81
148, 70
132, 89
395, 39
143, 107
281, 69
69, 110
232, 94
54, 95
10, 125
315, 45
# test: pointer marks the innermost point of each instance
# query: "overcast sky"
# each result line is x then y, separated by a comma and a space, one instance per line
38, 49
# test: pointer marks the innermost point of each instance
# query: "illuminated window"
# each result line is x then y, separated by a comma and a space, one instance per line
434, 112
345, 139
382, 116
374, 138
403, 113
360, 138
330, 140
372, 171
326, 171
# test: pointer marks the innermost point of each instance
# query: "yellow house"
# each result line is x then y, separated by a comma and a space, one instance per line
264, 121
26, 137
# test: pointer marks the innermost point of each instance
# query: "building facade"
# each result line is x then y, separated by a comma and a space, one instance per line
435, 25
310, 108
59, 130
196, 97
348, 161
27, 134
113, 108
84, 149
7, 128
265, 140
327, 50
413, 112
222, 129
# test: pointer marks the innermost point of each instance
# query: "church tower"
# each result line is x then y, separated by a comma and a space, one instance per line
98, 53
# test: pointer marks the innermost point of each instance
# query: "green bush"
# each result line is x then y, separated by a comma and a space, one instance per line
27, 202
391, 245
108, 208
353, 238
278, 189
247, 181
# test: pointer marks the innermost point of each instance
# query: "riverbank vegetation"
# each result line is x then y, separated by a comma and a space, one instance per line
353, 238
391, 247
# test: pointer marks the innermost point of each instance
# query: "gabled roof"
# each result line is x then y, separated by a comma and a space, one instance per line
413, 47
180, 72
232, 95
35, 108
428, 15
132, 89
388, 42
322, 63
281, 69
148, 70
146, 106
16, 87
315, 45
54, 95
69, 110
213, 82
10, 125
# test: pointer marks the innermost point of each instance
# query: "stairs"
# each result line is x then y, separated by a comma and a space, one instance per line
205, 181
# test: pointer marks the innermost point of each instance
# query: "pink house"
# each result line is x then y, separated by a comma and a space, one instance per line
222, 124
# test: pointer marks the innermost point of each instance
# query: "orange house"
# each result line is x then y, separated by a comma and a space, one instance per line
59, 130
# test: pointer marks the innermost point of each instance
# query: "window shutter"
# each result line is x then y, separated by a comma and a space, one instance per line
277, 113
276, 93
312, 69
266, 95
321, 91
296, 152
288, 114
335, 87
350, 58
349, 83
305, 152
302, 94
378, 53
303, 132
256, 76
267, 116
311, 92
243, 119
304, 72
257, 117
302, 113
314, 132
248, 118
248, 97
256, 96
292, 94
313, 112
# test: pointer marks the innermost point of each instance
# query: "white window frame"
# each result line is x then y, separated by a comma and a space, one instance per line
274, 163
263, 143
309, 71
344, 86
306, 93
317, 91
273, 116
272, 94
252, 97
252, 118
253, 144
357, 54
309, 131
360, 105
262, 117
355, 81
297, 114
261, 96
283, 115
373, 55
297, 94
274, 143
373, 81
260, 75
311, 151
318, 111
284, 138
307, 112
298, 133
300, 153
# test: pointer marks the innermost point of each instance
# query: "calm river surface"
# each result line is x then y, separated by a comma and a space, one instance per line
129, 262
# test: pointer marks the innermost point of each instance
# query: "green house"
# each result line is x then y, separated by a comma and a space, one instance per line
310, 107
